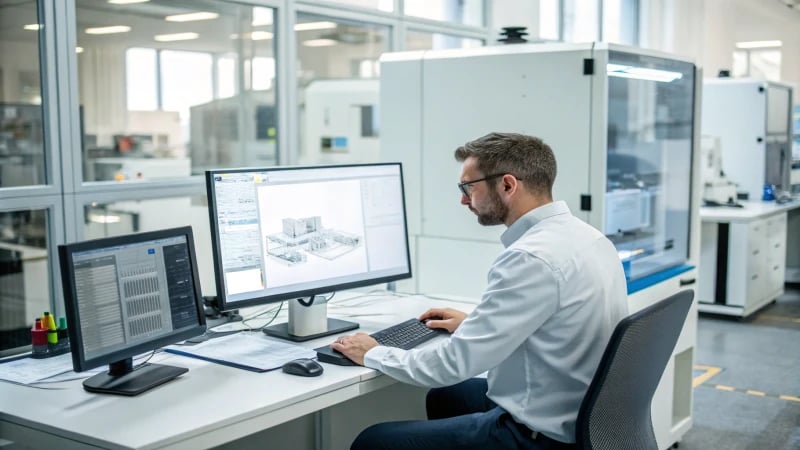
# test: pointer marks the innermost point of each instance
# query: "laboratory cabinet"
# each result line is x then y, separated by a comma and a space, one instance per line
622, 123
743, 257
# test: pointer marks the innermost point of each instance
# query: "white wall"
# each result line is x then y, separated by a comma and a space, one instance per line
730, 21
705, 30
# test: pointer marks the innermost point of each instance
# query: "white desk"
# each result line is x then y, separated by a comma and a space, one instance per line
210, 405
743, 256
214, 405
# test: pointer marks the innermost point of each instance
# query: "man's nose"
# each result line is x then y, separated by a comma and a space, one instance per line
464, 199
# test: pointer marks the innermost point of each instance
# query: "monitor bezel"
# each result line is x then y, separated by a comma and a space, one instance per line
219, 276
65, 252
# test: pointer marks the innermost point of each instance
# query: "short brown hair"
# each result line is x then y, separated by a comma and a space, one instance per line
528, 158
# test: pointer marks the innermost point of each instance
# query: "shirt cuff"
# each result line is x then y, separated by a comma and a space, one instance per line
374, 356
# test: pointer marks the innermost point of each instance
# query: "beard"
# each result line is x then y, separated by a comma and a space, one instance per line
495, 213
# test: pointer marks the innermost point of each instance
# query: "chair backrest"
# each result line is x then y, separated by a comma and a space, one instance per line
615, 413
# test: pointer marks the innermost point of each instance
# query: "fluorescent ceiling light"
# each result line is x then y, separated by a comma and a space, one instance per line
254, 36
103, 218
78, 49
33, 27
190, 17
759, 44
260, 35
319, 42
642, 73
176, 37
314, 26
108, 30
126, 2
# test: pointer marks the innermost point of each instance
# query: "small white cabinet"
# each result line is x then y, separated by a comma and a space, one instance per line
743, 258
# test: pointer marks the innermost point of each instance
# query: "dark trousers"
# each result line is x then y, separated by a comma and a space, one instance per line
459, 417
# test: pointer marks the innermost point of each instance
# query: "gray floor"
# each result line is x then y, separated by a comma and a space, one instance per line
760, 354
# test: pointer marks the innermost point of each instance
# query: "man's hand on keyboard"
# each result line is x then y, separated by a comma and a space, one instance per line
446, 318
355, 346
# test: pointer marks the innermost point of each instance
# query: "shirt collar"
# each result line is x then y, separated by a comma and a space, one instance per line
531, 218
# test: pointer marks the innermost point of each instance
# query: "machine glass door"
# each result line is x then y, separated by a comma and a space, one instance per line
650, 135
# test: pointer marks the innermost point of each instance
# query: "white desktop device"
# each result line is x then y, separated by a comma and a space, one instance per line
717, 188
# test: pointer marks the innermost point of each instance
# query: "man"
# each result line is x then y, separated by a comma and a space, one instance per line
553, 298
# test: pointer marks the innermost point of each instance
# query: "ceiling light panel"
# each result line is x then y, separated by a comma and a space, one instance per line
759, 44
176, 37
191, 17
314, 26
108, 30
319, 42
33, 27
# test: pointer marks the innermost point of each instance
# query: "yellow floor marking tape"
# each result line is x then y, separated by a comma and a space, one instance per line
710, 371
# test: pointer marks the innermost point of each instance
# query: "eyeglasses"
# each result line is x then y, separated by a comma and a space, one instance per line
466, 186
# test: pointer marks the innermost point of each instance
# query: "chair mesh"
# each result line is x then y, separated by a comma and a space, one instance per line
615, 413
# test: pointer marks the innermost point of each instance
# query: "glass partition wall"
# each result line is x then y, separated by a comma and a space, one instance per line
169, 89
111, 109
22, 147
338, 74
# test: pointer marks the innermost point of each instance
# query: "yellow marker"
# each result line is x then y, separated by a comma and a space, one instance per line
789, 397
52, 331
724, 388
759, 393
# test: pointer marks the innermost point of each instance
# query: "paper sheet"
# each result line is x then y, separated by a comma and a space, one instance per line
252, 351
29, 370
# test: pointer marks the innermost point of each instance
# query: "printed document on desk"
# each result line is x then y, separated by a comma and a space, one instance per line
26, 370
249, 351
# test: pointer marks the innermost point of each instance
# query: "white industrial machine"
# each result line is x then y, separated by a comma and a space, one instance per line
341, 122
621, 122
753, 121
238, 131
717, 188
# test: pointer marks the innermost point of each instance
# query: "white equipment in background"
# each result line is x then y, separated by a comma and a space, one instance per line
341, 122
753, 121
717, 188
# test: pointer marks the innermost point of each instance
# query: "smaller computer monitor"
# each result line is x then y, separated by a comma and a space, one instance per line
125, 296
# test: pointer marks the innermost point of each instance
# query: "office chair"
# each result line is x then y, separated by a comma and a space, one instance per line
615, 413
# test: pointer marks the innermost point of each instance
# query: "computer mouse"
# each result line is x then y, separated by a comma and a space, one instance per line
305, 367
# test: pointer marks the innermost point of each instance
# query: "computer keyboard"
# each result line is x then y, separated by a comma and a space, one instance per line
405, 335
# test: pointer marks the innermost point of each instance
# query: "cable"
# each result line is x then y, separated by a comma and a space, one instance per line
145, 361
344, 303
273, 317
277, 311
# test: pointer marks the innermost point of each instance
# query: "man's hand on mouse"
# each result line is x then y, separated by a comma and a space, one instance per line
447, 318
355, 346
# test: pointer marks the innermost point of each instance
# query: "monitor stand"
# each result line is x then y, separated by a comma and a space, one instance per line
123, 379
308, 319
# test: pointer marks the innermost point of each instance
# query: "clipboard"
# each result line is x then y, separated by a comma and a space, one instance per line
249, 351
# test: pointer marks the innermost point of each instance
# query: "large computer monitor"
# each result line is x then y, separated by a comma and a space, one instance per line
128, 295
293, 233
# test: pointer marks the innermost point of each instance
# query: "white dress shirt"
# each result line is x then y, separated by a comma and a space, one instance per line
553, 298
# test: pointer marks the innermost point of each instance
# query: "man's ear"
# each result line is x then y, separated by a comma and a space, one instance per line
509, 183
